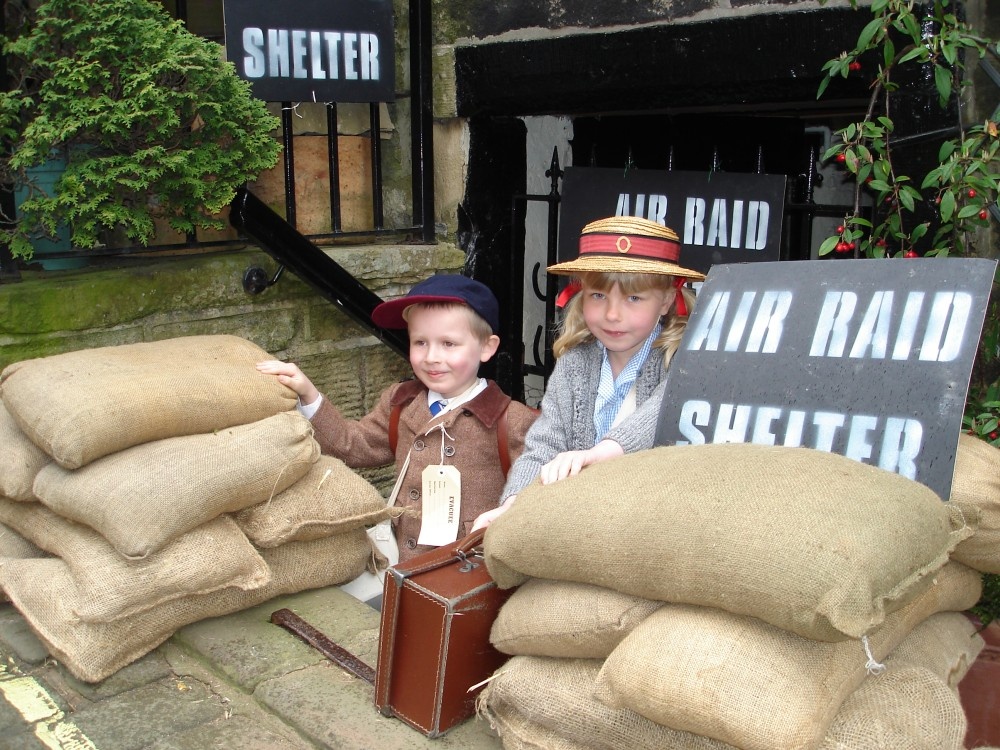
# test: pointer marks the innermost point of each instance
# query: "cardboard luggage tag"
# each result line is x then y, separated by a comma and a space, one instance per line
441, 509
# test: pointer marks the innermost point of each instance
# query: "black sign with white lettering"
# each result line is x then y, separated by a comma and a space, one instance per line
313, 50
720, 217
870, 359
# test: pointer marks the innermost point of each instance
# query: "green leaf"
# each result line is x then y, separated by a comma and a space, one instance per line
828, 245
910, 27
942, 81
888, 52
868, 33
913, 54
947, 205
946, 150
906, 200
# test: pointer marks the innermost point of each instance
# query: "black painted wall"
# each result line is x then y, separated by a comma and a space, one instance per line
678, 95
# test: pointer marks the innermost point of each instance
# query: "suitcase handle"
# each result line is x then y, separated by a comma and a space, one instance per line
469, 543
458, 550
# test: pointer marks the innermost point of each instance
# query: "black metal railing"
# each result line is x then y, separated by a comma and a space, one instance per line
296, 252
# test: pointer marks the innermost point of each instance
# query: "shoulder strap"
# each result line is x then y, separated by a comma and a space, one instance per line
394, 426
503, 446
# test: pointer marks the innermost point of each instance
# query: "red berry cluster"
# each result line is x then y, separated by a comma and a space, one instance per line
844, 246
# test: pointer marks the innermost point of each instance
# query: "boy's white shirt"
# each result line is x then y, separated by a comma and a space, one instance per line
309, 410
449, 404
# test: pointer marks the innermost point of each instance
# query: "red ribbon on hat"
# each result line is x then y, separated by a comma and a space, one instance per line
567, 294
682, 308
653, 248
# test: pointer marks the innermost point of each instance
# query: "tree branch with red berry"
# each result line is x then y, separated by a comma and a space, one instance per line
965, 180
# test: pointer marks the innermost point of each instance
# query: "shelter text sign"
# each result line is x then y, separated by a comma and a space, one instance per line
313, 50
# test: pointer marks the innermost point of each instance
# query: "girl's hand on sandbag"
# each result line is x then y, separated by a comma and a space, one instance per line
571, 463
289, 374
485, 519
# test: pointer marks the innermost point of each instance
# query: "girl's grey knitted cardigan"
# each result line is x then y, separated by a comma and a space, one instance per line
567, 419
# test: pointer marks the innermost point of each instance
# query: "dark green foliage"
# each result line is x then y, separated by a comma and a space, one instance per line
988, 608
154, 121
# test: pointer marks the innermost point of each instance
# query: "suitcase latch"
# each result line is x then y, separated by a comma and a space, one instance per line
467, 564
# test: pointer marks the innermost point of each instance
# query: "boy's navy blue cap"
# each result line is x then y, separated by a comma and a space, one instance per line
443, 288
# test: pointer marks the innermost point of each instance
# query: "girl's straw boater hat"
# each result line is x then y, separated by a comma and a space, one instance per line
627, 244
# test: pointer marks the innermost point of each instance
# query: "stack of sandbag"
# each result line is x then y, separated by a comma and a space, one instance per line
550, 702
728, 596
171, 482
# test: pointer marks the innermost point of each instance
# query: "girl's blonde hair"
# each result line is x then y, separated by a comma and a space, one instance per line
573, 331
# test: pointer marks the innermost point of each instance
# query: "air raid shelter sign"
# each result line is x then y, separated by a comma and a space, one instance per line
313, 50
870, 359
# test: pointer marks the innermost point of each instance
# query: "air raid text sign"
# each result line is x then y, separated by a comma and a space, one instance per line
720, 217
867, 358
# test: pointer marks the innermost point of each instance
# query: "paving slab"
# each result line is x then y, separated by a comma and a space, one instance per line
337, 710
234, 732
18, 637
150, 668
167, 707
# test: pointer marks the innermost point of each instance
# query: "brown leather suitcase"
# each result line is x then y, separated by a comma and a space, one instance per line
434, 642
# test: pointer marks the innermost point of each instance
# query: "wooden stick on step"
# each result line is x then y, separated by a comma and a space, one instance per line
337, 654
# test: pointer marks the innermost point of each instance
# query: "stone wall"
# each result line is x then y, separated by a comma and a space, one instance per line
51, 312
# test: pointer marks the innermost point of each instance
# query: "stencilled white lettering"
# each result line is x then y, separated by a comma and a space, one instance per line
765, 317
897, 452
943, 322
313, 55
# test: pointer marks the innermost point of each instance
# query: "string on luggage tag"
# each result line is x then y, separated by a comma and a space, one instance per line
444, 434
872, 666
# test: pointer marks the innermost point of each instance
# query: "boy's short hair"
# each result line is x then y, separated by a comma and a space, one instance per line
477, 324
445, 288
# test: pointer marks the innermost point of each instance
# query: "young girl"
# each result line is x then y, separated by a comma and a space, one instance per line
626, 312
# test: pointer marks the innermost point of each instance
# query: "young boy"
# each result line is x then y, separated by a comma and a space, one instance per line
445, 422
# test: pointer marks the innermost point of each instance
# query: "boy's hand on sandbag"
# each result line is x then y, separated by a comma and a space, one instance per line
289, 374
